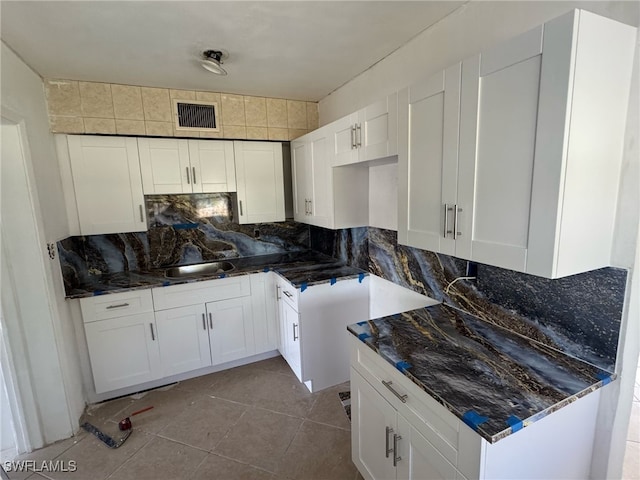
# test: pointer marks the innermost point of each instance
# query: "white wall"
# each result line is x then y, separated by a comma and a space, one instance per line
472, 28
54, 356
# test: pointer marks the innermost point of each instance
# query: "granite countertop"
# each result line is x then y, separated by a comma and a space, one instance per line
301, 269
494, 380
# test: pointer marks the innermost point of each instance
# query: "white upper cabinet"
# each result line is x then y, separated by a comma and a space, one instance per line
532, 183
369, 134
429, 120
259, 176
186, 166
107, 184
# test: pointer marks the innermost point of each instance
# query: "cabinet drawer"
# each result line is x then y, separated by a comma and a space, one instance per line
432, 420
201, 292
288, 293
116, 305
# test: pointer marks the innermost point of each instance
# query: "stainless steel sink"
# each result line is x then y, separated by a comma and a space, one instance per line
199, 269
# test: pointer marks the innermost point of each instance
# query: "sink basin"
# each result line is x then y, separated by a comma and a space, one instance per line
199, 269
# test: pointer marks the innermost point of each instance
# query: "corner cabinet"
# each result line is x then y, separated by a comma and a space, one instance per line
172, 165
260, 181
526, 178
107, 184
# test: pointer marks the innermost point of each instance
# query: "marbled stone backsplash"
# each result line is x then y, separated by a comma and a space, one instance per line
579, 315
183, 229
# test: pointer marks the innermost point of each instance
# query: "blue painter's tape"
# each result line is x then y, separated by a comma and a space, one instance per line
333, 280
363, 336
98, 292
515, 423
474, 420
402, 366
303, 287
266, 269
222, 275
185, 226
166, 283
605, 377
364, 322
360, 277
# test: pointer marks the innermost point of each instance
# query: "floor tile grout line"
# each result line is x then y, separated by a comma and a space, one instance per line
128, 459
286, 450
193, 474
328, 425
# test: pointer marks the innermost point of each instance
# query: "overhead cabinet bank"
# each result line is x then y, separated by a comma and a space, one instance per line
512, 157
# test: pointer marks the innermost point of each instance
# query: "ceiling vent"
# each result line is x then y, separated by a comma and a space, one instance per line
196, 116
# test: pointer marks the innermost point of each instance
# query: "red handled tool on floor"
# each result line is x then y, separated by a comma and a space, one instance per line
125, 423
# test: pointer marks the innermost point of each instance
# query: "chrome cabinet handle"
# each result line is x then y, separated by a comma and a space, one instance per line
193, 169
358, 136
456, 233
396, 457
204, 322
295, 337
241, 214
210, 321
310, 207
446, 220
153, 334
120, 305
402, 398
353, 137
278, 297
288, 294
187, 169
388, 450
141, 214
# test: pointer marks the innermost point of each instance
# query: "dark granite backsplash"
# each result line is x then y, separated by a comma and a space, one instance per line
183, 229
579, 315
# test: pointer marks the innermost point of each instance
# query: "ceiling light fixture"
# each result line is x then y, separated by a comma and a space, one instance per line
212, 61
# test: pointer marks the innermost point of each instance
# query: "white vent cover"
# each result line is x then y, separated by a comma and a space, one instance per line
196, 116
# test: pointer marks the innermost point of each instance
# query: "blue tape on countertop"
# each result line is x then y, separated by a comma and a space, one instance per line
185, 226
166, 283
402, 366
266, 269
364, 322
303, 287
363, 336
605, 377
472, 419
515, 423
333, 280
360, 277
98, 292
222, 275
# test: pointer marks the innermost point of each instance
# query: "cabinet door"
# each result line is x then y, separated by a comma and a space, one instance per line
212, 166
301, 176
321, 206
343, 137
107, 182
499, 111
183, 338
165, 166
373, 424
290, 323
124, 351
418, 458
260, 181
428, 125
230, 329
377, 129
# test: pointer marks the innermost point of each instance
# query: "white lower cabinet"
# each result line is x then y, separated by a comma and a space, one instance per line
230, 329
399, 431
122, 340
313, 323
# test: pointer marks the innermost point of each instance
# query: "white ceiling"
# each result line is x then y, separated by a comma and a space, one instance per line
299, 50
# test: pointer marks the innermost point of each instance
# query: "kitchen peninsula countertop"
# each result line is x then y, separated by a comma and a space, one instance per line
301, 269
494, 380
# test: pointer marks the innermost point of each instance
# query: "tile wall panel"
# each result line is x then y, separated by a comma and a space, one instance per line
112, 109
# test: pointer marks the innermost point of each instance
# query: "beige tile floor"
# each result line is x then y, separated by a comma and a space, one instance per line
631, 466
255, 422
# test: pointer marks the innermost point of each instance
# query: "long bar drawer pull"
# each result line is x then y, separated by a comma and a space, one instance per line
295, 335
153, 334
120, 305
204, 322
396, 457
288, 294
388, 431
210, 321
402, 398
